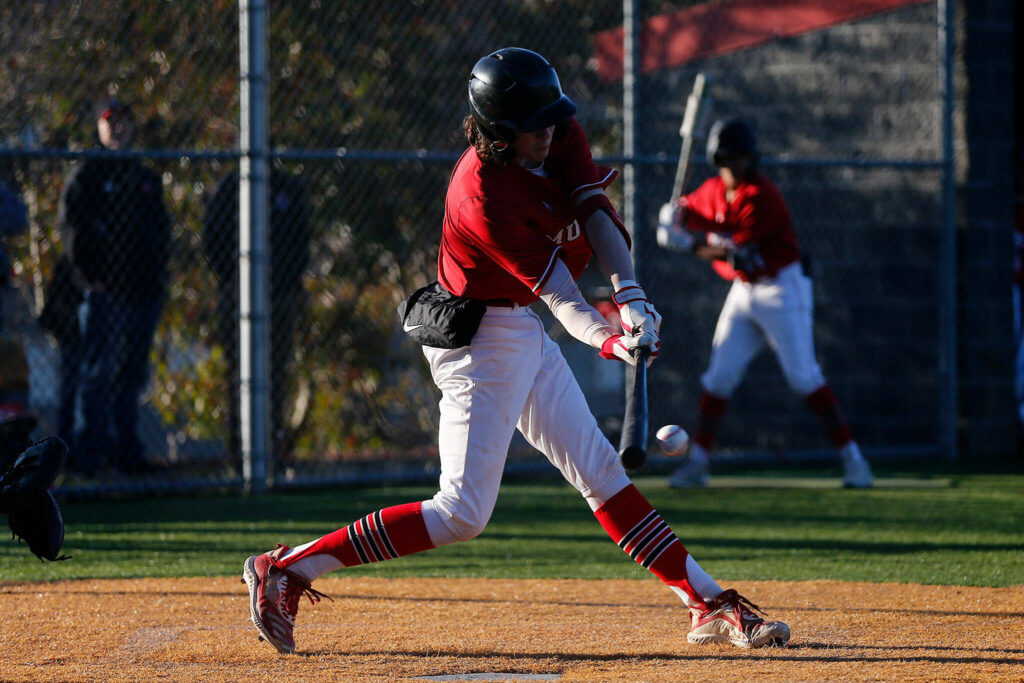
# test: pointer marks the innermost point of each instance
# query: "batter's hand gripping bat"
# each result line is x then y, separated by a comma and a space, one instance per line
633, 444
696, 107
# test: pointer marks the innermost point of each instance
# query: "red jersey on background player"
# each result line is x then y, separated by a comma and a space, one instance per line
739, 222
524, 213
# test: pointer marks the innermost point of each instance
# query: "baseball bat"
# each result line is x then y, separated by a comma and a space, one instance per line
633, 444
695, 107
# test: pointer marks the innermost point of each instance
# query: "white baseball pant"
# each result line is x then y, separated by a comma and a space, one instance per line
512, 375
777, 311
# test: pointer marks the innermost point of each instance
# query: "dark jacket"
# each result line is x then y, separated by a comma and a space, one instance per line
288, 234
116, 229
13, 221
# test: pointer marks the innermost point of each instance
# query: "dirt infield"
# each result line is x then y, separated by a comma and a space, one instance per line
400, 629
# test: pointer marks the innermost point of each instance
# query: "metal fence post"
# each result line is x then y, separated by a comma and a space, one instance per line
631, 23
252, 241
948, 380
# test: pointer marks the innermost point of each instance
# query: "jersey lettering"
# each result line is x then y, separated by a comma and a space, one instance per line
569, 233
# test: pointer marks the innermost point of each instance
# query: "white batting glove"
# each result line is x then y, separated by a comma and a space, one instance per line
626, 348
636, 312
670, 233
717, 239
669, 216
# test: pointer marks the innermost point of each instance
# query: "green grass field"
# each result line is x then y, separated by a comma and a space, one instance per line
952, 527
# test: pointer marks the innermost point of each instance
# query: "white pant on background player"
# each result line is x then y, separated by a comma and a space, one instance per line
777, 312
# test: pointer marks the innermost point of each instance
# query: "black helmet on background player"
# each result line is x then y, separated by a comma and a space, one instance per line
514, 91
731, 138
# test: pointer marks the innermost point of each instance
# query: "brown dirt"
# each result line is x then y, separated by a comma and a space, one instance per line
198, 629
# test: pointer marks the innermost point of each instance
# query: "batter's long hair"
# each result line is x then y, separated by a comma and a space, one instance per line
491, 151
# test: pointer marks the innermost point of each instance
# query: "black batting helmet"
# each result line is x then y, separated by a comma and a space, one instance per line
514, 91
731, 138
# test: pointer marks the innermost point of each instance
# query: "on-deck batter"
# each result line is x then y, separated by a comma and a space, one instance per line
739, 222
524, 213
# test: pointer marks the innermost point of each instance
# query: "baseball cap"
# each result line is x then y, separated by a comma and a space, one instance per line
116, 108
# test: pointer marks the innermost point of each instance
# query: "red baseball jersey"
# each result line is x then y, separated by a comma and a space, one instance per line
504, 227
757, 213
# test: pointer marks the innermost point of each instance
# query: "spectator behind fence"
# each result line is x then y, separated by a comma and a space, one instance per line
16, 418
117, 238
289, 255
62, 297
13, 221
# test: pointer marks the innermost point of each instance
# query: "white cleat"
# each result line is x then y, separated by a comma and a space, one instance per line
856, 470
695, 473
857, 475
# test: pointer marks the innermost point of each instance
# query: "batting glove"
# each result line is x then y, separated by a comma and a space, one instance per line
636, 312
626, 347
671, 234
717, 239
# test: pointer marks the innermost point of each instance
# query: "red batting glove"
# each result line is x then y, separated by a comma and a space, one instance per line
625, 348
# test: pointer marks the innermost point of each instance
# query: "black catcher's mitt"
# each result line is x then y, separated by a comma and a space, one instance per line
32, 473
38, 523
32, 513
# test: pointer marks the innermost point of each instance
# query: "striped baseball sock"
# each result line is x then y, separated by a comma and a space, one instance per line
826, 406
640, 531
383, 535
709, 418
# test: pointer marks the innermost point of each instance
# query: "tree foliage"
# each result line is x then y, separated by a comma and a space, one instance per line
377, 90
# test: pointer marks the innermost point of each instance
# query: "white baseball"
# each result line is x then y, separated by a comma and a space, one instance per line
673, 440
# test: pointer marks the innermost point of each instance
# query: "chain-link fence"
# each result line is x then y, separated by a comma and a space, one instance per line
125, 293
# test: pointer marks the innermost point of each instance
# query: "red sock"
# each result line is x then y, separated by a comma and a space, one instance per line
636, 526
826, 406
383, 535
712, 409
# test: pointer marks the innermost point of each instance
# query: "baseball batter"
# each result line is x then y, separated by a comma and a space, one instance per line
524, 213
739, 222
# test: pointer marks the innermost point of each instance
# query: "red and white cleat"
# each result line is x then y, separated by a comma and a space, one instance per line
730, 618
274, 594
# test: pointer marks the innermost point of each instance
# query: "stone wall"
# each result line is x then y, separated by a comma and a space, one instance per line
827, 105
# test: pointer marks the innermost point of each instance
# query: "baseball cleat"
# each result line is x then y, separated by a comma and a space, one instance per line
858, 476
730, 618
274, 594
695, 473
856, 470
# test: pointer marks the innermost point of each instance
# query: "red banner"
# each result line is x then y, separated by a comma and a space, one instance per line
717, 28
